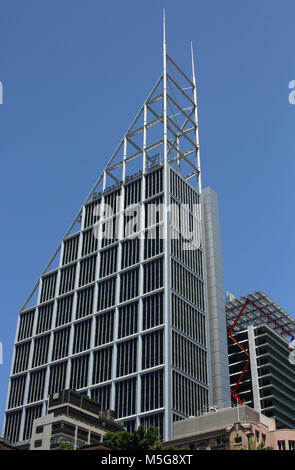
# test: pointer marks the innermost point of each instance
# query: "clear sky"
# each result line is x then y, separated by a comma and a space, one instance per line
74, 74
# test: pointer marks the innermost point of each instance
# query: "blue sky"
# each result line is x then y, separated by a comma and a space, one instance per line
74, 74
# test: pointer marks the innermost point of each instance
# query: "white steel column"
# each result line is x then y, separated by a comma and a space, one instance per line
26, 392
11, 371
141, 271
168, 431
120, 231
253, 367
51, 340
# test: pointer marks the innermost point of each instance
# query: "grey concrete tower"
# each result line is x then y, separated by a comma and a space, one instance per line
220, 385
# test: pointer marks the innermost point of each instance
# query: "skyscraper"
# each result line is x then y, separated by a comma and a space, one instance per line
123, 314
261, 374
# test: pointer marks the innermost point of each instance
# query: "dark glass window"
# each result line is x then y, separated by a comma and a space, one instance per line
281, 445
82, 434
94, 438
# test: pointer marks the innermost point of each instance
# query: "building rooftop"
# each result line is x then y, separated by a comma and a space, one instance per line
74, 398
69, 402
220, 419
259, 302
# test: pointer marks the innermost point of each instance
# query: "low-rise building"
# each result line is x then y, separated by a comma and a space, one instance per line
230, 428
74, 419
282, 439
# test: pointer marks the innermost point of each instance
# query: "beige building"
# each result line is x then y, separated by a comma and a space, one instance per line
74, 419
282, 439
230, 429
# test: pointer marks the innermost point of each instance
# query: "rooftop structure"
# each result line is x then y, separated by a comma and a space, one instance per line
74, 419
230, 428
258, 309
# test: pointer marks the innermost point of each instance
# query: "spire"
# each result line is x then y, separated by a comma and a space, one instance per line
196, 119
164, 29
164, 91
193, 63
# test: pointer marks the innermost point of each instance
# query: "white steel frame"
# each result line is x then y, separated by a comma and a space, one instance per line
171, 111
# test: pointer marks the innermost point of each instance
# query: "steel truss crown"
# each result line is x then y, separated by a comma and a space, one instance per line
164, 131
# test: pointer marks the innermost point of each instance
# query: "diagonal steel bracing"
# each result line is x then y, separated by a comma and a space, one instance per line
144, 142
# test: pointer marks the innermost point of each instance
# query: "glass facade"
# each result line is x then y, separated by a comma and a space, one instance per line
99, 325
